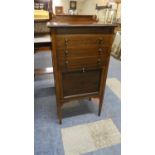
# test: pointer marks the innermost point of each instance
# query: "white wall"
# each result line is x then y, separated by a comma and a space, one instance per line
119, 11
87, 7
66, 3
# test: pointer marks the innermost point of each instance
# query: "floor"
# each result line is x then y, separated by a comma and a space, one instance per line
47, 131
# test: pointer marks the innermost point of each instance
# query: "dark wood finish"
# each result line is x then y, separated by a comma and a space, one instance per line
43, 30
77, 82
74, 18
41, 71
81, 52
42, 43
42, 49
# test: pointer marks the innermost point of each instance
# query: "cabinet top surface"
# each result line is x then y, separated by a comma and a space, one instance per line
78, 24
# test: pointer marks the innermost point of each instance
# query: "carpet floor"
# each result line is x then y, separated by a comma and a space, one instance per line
48, 138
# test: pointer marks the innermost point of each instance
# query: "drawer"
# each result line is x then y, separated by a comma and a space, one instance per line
83, 41
81, 83
81, 63
83, 52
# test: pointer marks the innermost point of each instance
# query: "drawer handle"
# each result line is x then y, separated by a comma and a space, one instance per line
100, 50
99, 61
100, 41
66, 42
66, 52
66, 62
83, 70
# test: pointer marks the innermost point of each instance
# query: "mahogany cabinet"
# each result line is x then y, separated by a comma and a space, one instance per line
80, 55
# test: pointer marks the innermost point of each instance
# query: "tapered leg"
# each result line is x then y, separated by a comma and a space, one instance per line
60, 121
100, 105
59, 113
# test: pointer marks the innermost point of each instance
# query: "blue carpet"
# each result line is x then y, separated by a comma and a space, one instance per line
47, 131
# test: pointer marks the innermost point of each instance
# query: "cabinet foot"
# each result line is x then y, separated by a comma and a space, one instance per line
59, 113
100, 106
60, 121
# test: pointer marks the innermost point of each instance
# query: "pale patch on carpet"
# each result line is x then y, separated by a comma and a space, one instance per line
115, 86
90, 137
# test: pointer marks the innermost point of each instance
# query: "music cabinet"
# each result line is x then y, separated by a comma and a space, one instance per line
80, 55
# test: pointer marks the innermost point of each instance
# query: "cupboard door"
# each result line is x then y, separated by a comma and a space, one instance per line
82, 82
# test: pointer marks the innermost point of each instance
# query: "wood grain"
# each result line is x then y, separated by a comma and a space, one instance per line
81, 52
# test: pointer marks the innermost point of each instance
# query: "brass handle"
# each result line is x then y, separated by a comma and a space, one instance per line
66, 46
100, 50
66, 62
66, 52
66, 41
99, 61
100, 41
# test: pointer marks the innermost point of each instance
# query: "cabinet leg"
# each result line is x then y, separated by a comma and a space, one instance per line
60, 116
100, 105
59, 113
60, 121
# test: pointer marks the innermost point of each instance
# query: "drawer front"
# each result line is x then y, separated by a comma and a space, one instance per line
81, 52
78, 83
81, 63
83, 41
82, 45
